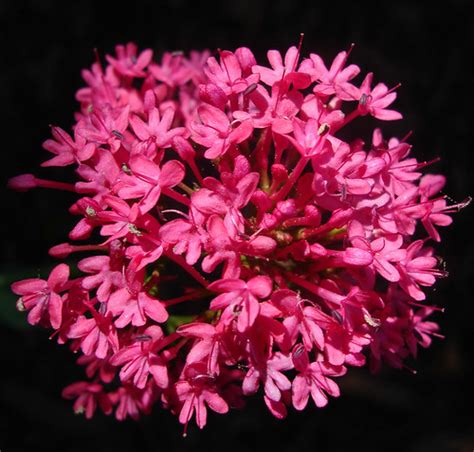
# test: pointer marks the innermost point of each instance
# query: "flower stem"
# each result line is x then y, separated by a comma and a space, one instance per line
188, 268
325, 294
192, 296
283, 192
176, 196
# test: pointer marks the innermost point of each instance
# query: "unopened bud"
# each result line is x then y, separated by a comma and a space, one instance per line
23, 182
61, 251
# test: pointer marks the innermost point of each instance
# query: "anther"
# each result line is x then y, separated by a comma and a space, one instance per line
126, 169
363, 99
372, 321
90, 211
250, 89
323, 129
134, 230
143, 338
337, 316
20, 306
118, 134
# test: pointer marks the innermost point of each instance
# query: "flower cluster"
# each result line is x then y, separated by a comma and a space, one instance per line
235, 242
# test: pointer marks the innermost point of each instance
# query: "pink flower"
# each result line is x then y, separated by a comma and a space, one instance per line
330, 80
174, 69
96, 335
187, 236
309, 138
88, 396
158, 129
375, 101
122, 219
418, 268
135, 308
299, 319
128, 63
131, 401
269, 372
105, 126
240, 298
233, 194
216, 133
66, 149
139, 360
195, 392
148, 180
99, 179
228, 74
103, 276
207, 345
283, 70
384, 251
89, 208
422, 331
437, 209
42, 297
313, 379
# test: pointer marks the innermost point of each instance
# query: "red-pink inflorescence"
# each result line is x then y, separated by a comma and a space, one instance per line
239, 244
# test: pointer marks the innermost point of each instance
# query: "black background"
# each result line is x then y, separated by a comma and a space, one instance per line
429, 49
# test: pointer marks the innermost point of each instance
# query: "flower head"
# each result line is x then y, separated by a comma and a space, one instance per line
236, 240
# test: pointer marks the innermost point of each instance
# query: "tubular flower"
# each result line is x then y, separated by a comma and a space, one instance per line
236, 240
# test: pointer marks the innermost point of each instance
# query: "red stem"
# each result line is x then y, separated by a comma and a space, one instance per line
191, 270
176, 196
192, 296
56, 185
283, 192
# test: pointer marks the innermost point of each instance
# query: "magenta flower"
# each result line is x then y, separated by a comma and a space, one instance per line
269, 372
216, 132
233, 239
195, 392
66, 149
384, 251
418, 268
422, 330
103, 277
105, 126
99, 179
299, 319
128, 63
88, 396
283, 70
135, 308
42, 297
332, 80
374, 101
313, 379
309, 137
96, 335
174, 69
228, 75
148, 180
139, 360
158, 130
240, 299
186, 236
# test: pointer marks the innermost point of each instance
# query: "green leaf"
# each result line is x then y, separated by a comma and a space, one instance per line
174, 321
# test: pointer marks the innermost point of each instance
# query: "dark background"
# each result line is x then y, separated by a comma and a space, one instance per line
429, 49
